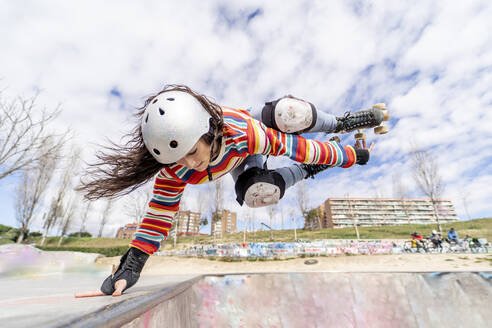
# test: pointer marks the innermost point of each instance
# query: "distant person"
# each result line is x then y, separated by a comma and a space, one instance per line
418, 240
472, 241
453, 236
436, 239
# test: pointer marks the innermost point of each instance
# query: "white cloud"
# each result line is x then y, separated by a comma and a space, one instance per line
429, 61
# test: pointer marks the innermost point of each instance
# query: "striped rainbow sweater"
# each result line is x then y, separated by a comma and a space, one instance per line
243, 136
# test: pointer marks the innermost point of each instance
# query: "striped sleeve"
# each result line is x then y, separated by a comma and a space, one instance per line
268, 141
159, 216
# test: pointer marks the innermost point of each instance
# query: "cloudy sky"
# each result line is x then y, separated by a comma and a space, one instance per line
429, 61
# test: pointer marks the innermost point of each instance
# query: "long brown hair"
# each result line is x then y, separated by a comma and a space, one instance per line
120, 169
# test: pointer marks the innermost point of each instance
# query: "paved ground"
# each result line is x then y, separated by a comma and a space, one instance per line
37, 290
48, 301
316, 299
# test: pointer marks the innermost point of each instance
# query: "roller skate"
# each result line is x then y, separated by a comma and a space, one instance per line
364, 119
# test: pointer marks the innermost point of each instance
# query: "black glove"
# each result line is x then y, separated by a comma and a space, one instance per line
131, 264
362, 155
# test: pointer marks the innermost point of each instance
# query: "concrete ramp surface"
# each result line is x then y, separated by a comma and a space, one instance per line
318, 299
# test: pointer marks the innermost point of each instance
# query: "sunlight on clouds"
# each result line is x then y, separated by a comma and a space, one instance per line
429, 61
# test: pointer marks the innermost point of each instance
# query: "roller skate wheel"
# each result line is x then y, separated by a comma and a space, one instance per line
379, 106
359, 136
335, 138
381, 130
386, 115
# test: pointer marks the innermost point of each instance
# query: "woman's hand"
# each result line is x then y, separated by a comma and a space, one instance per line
363, 145
124, 276
119, 287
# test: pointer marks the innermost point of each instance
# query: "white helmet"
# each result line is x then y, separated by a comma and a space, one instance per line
172, 123
434, 232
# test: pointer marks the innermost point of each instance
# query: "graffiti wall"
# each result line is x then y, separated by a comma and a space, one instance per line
300, 248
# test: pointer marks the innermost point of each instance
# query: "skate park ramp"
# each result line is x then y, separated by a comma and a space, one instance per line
317, 299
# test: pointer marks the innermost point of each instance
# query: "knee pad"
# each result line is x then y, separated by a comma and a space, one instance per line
289, 115
259, 187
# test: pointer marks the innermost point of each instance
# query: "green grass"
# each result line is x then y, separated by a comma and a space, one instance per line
4, 241
104, 246
480, 228
83, 242
229, 259
106, 251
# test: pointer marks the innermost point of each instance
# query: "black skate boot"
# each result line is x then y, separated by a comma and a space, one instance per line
313, 169
368, 118
131, 264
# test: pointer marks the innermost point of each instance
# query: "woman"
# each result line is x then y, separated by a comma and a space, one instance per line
185, 138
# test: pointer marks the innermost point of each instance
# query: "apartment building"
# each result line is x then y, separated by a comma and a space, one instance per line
127, 232
343, 212
187, 222
226, 223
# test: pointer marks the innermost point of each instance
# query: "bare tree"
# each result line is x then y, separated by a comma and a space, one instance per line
428, 179
272, 210
188, 221
55, 212
246, 211
313, 218
105, 216
68, 216
173, 229
282, 215
218, 202
177, 217
320, 216
32, 186
203, 201
85, 215
464, 198
292, 213
302, 203
400, 191
137, 203
350, 212
74, 198
24, 139
60, 205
